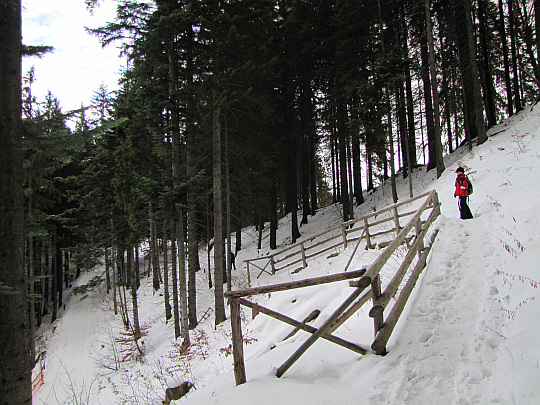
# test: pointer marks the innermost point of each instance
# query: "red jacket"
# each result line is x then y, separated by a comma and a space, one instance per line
462, 186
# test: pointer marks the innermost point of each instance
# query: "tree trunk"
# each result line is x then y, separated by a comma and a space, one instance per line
273, 216
486, 73
410, 141
192, 234
15, 362
468, 74
431, 50
153, 249
168, 313
174, 257
108, 269
513, 49
478, 105
218, 212
343, 160
429, 114
507, 81
228, 215
357, 167
180, 237
134, 301
54, 278
537, 35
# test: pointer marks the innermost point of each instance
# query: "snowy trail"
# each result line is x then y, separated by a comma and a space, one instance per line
452, 300
77, 331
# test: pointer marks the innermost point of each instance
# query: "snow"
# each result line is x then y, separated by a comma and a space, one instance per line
469, 333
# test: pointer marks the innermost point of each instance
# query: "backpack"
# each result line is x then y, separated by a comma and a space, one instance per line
470, 187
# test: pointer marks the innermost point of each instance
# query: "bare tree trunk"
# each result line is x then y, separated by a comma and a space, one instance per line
218, 216
153, 249
507, 81
486, 74
182, 277
192, 234
513, 50
438, 144
134, 301
343, 161
478, 104
15, 362
176, 312
54, 274
228, 220
537, 34
166, 297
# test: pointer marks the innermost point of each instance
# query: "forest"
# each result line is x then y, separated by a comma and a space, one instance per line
237, 113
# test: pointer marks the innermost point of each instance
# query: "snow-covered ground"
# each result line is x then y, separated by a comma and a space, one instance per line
469, 334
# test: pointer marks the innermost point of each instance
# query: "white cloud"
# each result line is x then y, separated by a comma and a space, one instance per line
79, 64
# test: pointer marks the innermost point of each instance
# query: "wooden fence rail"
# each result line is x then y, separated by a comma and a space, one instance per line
336, 237
412, 234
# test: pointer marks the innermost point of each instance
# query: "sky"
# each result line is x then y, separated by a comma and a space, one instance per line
78, 65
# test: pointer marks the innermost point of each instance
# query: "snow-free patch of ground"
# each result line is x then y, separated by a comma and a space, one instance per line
469, 334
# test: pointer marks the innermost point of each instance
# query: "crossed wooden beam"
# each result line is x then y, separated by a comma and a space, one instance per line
365, 278
344, 312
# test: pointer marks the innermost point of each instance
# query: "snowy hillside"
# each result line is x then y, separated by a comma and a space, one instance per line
469, 335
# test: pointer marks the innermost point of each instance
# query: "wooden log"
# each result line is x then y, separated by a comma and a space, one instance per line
396, 219
249, 275
351, 311
321, 331
343, 227
382, 245
420, 239
368, 237
294, 284
237, 342
378, 320
307, 328
381, 340
380, 303
377, 265
354, 251
344, 235
314, 315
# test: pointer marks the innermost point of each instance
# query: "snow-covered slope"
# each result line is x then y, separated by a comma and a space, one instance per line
469, 335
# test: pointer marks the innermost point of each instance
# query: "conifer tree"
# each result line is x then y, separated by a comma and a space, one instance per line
15, 362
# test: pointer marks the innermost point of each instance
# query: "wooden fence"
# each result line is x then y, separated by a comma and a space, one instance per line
366, 283
369, 227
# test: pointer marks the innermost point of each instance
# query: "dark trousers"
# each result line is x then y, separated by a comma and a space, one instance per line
464, 209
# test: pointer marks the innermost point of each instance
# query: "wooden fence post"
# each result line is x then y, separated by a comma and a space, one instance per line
418, 226
368, 238
396, 220
237, 342
304, 261
272, 263
249, 276
344, 234
378, 320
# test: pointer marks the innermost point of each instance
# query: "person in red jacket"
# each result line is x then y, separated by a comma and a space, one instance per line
462, 192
